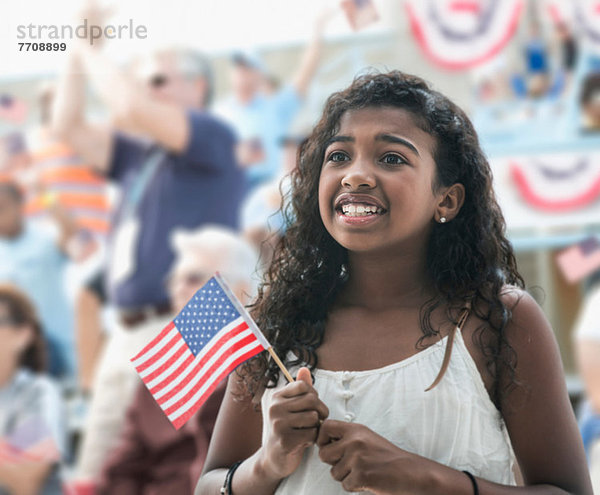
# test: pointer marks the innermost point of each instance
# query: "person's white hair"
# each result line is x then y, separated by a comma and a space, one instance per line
189, 62
237, 258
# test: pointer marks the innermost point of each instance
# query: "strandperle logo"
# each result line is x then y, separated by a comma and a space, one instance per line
92, 32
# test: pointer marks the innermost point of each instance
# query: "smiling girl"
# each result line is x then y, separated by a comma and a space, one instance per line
433, 370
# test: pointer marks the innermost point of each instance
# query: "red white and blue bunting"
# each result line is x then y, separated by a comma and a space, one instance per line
550, 189
458, 34
583, 15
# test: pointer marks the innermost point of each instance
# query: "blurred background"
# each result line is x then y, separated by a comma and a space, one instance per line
526, 71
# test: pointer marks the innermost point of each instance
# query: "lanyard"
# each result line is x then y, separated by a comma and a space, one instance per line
134, 196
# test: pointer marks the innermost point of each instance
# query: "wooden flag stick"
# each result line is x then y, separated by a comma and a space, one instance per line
280, 364
252, 325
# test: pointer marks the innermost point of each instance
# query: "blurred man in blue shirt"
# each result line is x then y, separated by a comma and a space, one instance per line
183, 174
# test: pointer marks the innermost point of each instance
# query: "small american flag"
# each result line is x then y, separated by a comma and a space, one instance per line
12, 109
31, 441
208, 339
580, 260
360, 13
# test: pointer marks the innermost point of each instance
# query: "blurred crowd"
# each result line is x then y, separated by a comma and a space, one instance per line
108, 227
106, 231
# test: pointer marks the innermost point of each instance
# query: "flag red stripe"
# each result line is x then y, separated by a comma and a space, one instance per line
158, 387
214, 348
181, 420
156, 340
207, 374
462, 6
168, 363
166, 347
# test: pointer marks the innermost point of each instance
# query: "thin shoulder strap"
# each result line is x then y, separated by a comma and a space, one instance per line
449, 344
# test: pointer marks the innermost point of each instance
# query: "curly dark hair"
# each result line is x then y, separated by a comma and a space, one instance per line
468, 259
22, 312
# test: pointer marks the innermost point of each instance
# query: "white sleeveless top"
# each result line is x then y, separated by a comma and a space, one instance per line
455, 423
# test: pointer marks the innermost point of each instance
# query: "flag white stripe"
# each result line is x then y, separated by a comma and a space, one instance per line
156, 348
213, 376
164, 358
181, 342
206, 349
197, 375
162, 376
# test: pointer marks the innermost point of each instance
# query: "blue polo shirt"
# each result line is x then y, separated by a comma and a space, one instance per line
199, 186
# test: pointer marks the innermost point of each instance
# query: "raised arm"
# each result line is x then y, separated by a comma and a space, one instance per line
163, 122
64, 221
91, 142
311, 56
130, 109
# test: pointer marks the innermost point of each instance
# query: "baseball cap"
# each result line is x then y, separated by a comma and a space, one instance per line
250, 59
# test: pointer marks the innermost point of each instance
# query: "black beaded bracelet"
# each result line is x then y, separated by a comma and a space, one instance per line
473, 482
226, 488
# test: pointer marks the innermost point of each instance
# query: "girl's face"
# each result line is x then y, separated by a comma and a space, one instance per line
375, 188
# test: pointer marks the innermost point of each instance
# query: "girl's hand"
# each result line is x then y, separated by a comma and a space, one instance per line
362, 460
295, 416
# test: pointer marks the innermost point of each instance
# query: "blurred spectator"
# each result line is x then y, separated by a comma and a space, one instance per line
536, 52
12, 109
55, 169
35, 260
89, 305
270, 84
590, 102
14, 156
536, 62
587, 342
491, 81
184, 175
568, 47
262, 118
31, 412
153, 457
262, 219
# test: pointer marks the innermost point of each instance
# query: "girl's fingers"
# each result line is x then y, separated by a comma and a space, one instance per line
307, 419
304, 419
298, 405
331, 453
340, 470
299, 396
304, 376
323, 411
294, 389
308, 403
302, 385
331, 429
298, 437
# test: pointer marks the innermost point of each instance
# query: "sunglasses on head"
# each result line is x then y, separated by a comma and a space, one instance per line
158, 81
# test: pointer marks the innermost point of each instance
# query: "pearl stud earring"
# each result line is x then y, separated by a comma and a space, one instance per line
442, 219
